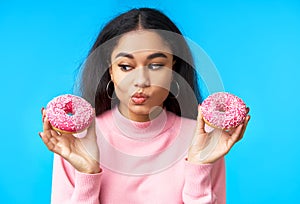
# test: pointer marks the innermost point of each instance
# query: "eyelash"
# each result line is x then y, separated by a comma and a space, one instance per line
126, 67
155, 64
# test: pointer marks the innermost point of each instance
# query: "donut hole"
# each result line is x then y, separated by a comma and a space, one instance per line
69, 113
221, 108
68, 109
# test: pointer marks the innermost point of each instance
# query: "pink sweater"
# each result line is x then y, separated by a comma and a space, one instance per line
141, 162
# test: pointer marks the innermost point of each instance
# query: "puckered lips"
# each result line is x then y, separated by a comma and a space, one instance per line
139, 98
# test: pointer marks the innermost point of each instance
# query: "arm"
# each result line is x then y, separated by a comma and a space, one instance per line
76, 171
70, 186
205, 168
205, 183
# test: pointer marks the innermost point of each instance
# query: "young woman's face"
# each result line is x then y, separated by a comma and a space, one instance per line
141, 72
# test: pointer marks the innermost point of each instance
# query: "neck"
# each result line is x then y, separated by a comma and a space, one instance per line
139, 117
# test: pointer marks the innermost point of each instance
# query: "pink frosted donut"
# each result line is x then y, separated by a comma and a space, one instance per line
223, 110
70, 114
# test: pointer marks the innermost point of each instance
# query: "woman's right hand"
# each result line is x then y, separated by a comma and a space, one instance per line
81, 153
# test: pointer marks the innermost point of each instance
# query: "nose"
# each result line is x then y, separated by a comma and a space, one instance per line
141, 78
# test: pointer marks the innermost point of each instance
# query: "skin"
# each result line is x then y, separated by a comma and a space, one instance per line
139, 68
143, 68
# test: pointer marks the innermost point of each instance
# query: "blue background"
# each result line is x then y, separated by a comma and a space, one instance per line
254, 45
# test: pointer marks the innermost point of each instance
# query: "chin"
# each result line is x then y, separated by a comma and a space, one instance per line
140, 109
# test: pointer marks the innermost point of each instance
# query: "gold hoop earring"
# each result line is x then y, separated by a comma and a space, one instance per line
178, 89
107, 87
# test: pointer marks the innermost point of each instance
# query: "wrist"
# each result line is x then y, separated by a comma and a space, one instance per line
92, 171
196, 159
92, 167
87, 166
95, 169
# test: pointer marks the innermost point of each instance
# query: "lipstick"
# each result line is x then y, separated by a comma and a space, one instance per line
139, 98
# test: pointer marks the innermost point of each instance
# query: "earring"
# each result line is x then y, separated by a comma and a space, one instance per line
178, 89
107, 87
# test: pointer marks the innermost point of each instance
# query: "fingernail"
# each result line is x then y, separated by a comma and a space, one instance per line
42, 109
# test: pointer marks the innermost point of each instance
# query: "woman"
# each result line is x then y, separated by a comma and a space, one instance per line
146, 144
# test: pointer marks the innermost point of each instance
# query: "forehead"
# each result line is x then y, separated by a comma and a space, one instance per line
141, 40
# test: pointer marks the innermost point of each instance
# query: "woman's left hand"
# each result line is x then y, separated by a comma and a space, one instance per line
208, 147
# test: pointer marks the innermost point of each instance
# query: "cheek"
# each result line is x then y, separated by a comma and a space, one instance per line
163, 93
123, 86
122, 90
159, 96
162, 79
121, 80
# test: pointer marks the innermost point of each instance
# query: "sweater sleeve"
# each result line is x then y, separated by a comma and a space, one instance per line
205, 183
70, 186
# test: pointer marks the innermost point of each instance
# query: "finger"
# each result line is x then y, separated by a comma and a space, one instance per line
48, 131
200, 122
235, 135
47, 125
43, 117
50, 142
247, 110
244, 127
200, 134
45, 137
43, 113
54, 133
230, 131
50, 136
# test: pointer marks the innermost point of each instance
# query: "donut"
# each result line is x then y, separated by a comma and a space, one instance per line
69, 113
223, 110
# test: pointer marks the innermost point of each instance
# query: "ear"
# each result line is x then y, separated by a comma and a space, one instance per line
174, 61
111, 74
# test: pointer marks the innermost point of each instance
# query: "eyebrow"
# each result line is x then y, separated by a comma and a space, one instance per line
152, 56
123, 54
157, 54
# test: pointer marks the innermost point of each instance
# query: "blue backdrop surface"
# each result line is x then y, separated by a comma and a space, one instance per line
254, 45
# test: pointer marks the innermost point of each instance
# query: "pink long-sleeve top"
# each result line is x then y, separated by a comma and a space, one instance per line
141, 162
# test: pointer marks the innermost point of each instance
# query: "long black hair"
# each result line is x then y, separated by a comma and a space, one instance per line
95, 73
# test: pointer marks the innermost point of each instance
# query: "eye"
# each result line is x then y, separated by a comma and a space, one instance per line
125, 67
155, 66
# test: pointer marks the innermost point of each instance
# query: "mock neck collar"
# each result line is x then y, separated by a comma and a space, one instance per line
139, 130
